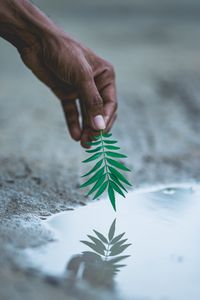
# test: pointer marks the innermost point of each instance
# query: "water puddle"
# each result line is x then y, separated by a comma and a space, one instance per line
149, 249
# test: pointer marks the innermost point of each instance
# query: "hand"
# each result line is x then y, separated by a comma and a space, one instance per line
73, 72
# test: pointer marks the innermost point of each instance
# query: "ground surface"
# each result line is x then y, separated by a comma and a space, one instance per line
155, 48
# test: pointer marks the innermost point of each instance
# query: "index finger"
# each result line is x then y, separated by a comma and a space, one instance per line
109, 97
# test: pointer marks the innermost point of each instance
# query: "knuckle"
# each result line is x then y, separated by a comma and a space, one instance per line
97, 102
109, 69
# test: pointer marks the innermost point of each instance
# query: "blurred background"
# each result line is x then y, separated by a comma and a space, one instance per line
155, 48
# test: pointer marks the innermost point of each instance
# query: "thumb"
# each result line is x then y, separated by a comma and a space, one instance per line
93, 104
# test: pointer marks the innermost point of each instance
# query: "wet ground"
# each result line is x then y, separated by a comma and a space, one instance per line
155, 50
152, 241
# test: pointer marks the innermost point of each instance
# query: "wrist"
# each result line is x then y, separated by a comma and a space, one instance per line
23, 24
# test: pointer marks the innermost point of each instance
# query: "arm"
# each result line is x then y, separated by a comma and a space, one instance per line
68, 68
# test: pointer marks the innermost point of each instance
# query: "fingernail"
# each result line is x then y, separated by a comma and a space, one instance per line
99, 122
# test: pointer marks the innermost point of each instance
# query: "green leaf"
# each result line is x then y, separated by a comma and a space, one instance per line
117, 238
101, 190
93, 157
97, 184
110, 178
97, 242
97, 166
111, 195
119, 176
107, 135
116, 180
94, 247
94, 178
97, 137
114, 154
117, 164
111, 147
109, 142
93, 143
116, 188
94, 150
117, 245
119, 250
101, 236
112, 230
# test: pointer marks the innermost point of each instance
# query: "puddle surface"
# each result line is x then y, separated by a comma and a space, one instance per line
163, 262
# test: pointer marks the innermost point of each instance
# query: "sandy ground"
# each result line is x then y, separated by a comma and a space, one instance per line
156, 53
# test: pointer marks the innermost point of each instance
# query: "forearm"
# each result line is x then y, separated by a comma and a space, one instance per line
22, 23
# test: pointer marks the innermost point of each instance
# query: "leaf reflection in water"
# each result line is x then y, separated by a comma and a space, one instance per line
99, 266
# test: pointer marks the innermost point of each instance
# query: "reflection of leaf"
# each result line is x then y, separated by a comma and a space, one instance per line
101, 236
92, 254
112, 230
97, 242
104, 263
117, 245
117, 238
119, 250
117, 259
96, 248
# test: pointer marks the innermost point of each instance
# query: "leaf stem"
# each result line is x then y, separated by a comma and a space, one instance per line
107, 252
104, 156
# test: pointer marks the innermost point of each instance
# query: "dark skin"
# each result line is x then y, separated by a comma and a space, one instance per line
71, 70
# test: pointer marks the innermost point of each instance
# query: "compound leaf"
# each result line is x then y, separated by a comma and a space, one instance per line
109, 142
97, 184
119, 176
93, 157
111, 147
111, 195
117, 164
94, 150
116, 180
101, 190
114, 154
94, 178
117, 189
97, 166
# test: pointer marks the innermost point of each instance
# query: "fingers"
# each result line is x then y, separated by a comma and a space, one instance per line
93, 104
110, 104
72, 118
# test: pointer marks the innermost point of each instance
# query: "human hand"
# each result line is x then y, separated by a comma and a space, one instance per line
69, 69
73, 72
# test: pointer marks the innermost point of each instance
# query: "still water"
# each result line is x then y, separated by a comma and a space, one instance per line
156, 257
